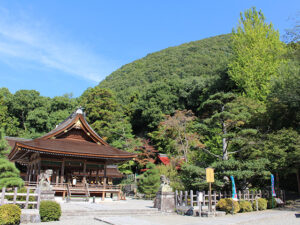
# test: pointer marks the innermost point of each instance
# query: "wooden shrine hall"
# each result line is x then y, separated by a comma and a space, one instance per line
81, 161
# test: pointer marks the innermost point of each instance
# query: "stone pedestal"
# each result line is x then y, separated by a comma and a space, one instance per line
30, 216
47, 195
165, 201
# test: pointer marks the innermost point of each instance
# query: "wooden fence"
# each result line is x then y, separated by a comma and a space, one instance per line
200, 199
15, 195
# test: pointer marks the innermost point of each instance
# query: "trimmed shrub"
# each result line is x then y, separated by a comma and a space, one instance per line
50, 211
245, 206
225, 204
10, 214
270, 203
262, 204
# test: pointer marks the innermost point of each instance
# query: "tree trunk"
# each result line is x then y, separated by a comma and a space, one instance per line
298, 179
224, 143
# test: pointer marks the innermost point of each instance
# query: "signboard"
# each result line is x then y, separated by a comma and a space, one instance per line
210, 178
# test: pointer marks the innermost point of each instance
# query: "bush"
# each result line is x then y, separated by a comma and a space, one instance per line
225, 204
10, 214
262, 204
50, 211
245, 206
270, 203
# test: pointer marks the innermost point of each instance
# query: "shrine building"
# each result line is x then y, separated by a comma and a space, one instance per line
81, 161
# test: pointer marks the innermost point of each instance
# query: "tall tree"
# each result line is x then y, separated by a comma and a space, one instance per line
257, 54
224, 127
176, 131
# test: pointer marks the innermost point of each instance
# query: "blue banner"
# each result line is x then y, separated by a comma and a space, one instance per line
234, 194
273, 188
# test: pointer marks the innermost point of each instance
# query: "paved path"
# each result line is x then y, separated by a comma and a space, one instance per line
81, 216
268, 217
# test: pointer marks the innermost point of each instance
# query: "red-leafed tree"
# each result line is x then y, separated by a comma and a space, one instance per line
146, 153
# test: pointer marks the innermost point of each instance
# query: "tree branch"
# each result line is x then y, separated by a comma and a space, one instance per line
207, 151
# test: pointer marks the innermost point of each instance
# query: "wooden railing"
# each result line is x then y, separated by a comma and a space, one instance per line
199, 199
15, 195
106, 187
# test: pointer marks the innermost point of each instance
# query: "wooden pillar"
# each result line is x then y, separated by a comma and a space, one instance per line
57, 177
97, 176
38, 170
104, 182
29, 173
84, 171
62, 173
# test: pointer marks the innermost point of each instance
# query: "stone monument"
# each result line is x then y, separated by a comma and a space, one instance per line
44, 186
165, 197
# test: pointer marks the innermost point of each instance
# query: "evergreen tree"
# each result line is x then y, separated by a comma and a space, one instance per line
257, 56
150, 181
4, 147
9, 174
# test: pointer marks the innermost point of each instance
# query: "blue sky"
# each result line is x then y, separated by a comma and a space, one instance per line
58, 47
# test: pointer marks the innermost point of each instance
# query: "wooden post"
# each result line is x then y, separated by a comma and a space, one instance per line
39, 169
185, 198
15, 195
27, 198
38, 199
209, 196
2, 195
192, 198
27, 174
30, 174
57, 177
62, 173
104, 182
181, 198
215, 198
176, 198
199, 204
84, 171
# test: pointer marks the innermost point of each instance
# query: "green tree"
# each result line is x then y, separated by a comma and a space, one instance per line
257, 54
9, 174
224, 127
149, 181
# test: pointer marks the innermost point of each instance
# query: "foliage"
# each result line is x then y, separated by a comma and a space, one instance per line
9, 174
227, 115
146, 153
226, 204
171, 173
262, 204
177, 131
245, 206
50, 211
10, 214
272, 203
149, 181
258, 54
251, 173
4, 147
193, 177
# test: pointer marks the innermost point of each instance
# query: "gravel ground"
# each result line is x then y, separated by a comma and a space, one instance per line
269, 217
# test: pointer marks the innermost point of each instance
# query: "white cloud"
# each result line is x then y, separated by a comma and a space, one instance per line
25, 40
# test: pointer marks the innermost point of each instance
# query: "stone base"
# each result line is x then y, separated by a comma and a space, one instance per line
47, 195
165, 201
30, 216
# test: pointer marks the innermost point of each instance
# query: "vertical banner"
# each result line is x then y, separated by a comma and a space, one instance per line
273, 186
234, 194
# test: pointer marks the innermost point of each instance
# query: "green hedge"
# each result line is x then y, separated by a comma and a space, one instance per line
225, 204
270, 203
50, 211
245, 206
262, 204
10, 214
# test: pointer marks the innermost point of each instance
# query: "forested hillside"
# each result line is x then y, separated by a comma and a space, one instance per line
231, 102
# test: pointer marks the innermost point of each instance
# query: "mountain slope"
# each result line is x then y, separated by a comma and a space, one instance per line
198, 58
